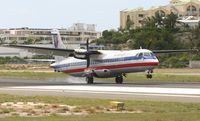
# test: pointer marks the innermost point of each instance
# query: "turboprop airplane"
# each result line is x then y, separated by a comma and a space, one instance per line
99, 63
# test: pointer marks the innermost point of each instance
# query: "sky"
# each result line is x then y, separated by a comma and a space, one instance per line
63, 13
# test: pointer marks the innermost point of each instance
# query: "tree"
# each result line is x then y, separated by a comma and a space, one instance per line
37, 40
129, 23
30, 40
170, 21
157, 33
159, 19
155, 21
195, 38
150, 22
107, 34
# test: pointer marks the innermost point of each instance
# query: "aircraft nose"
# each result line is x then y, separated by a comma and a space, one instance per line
157, 61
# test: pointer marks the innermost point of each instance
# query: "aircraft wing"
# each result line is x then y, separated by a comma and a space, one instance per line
45, 50
54, 51
174, 51
41, 60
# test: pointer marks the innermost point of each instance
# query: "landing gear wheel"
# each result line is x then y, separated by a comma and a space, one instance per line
149, 76
119, 79
89, 80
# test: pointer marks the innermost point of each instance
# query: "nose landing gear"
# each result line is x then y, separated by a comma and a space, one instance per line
90, 80
149, 74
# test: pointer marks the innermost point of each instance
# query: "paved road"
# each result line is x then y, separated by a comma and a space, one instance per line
179, 92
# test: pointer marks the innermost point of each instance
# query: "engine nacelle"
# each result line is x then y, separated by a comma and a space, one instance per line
80, 54
102, 73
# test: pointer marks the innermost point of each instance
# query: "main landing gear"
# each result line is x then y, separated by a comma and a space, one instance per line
119, 79
90, 80
149, 74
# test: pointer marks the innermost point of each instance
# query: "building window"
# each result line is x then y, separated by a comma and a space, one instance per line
194, 9
63, 38
140, 21
191, 10
188, 9
129, 23
141, 15
78, 39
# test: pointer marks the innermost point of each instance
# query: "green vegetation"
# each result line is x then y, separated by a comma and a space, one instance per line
164, 78
175, 60
32, 40
4, 111
7, 60
129, 23
18, 60
149, 110
114, 117
157, 32
42, 57
30, 75
54, 100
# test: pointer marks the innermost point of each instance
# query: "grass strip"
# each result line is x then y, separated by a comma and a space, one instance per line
30, 75
130, 77
151, 111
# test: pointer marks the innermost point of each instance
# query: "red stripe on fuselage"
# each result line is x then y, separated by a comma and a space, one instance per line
114, 67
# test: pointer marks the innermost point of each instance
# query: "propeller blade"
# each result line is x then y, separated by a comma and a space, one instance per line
87, 45
87, 54
88, 61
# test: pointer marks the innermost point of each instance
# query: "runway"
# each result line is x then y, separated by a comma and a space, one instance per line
154, 91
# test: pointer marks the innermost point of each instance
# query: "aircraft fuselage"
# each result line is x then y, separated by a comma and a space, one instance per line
109, 63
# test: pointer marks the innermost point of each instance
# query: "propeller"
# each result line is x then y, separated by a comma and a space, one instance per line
88, 54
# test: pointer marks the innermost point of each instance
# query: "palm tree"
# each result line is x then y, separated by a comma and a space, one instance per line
129, 23
170, 20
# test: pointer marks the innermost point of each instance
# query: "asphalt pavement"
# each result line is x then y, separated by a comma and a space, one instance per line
153, 91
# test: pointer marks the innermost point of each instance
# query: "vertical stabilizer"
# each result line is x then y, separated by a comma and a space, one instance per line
57, 43
56, 39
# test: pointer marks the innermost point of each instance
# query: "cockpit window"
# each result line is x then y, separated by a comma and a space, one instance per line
140, 54
152, 54
147, 54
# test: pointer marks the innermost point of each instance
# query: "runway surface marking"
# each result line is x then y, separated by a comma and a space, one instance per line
148, 91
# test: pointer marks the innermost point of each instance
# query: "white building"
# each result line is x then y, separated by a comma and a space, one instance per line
72, 36
191, 21
183, 8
